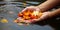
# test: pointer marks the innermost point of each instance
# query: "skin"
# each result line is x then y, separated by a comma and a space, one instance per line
48, 5
44, 7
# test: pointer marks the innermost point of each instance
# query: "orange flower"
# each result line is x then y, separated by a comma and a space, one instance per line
26, 13
26, 17
32, 17
20, 14
30, 14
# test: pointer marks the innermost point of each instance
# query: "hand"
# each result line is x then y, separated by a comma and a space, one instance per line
44, 7
44, 16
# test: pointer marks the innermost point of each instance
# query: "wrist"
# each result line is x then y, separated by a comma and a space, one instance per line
40, 9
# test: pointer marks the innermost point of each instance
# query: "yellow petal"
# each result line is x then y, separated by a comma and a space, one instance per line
4, 21
15, 21
19, 23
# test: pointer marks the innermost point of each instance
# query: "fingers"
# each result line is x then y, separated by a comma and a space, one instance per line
24, 9
31, 21
31, 8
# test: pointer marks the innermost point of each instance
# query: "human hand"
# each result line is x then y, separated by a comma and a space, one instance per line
30, 10
44, 14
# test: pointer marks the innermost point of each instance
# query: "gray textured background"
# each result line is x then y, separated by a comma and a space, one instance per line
13, 26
